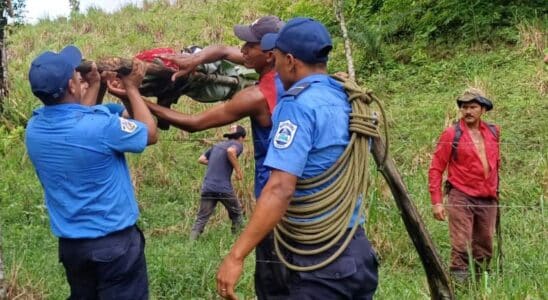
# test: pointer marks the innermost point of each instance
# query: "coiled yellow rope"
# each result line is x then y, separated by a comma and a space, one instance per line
332, 207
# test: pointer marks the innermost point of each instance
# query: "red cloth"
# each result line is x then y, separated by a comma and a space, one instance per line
466, 174
151, 54
267, 85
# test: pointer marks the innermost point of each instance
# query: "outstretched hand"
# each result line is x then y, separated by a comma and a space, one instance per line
186, 63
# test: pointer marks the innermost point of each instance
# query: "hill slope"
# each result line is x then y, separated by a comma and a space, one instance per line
418, 84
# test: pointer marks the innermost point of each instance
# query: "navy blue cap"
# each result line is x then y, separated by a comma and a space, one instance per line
306, 39
50, 72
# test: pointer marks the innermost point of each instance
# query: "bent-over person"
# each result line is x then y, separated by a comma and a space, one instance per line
221, 159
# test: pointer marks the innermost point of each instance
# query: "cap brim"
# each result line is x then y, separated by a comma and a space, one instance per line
268, 42
487, 104
243, 32
231, 135
72, 55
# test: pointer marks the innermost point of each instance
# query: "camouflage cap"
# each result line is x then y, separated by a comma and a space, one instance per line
473, 94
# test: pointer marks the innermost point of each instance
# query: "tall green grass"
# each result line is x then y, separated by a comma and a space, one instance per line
419, 95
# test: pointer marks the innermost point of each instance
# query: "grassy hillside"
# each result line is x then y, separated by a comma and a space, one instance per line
418, 82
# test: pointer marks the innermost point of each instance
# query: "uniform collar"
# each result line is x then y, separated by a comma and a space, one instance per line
312, 78
61, 108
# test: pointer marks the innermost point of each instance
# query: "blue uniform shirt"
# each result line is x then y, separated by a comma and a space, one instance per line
310, 129
78, 154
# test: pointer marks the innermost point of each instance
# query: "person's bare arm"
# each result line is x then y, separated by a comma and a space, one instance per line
270, 208
137, 107
203, 160
248, 102
93, 78
232, 154
187, 63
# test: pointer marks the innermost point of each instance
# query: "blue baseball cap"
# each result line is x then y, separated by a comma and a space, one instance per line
306, 39
50, 72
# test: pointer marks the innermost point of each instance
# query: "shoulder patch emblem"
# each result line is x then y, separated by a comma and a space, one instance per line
127, 125
284, 134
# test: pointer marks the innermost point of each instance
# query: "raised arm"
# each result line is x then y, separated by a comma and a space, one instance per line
137, 107
93, 79
187, 63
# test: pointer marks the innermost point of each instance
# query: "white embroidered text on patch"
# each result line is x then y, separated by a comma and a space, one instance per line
127, 125
284, 134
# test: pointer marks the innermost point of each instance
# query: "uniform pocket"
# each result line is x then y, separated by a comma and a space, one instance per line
341, 268
110, 254
112, 247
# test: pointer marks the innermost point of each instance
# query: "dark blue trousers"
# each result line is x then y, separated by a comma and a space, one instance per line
271, 276
109, 267
353, 275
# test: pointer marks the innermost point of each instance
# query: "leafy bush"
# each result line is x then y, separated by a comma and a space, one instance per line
449, 20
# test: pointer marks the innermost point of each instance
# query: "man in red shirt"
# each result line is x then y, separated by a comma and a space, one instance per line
256, 102
469, 150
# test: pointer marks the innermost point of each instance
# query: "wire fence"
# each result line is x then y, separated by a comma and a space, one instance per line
34, 193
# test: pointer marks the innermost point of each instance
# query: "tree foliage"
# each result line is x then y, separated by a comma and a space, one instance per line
74, 6
14, 9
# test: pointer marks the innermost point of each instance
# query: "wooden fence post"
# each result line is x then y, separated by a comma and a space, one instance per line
439, 281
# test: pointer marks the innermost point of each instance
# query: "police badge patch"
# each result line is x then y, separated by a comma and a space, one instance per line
284, 134
127, 125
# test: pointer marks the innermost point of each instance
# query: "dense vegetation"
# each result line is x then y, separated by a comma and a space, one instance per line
417, 55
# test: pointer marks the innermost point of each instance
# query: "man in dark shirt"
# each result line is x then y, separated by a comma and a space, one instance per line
221, 159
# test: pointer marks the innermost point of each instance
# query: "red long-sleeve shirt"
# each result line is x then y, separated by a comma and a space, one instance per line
466, 173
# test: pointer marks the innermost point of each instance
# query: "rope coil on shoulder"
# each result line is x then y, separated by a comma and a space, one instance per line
320, 220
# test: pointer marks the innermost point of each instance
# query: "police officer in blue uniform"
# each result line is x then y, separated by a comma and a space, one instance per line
78, 153
310, 132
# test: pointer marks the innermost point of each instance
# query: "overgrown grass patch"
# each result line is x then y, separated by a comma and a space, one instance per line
419, 95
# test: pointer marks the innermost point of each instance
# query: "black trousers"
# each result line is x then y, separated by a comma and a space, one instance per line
109, 267
271, 276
